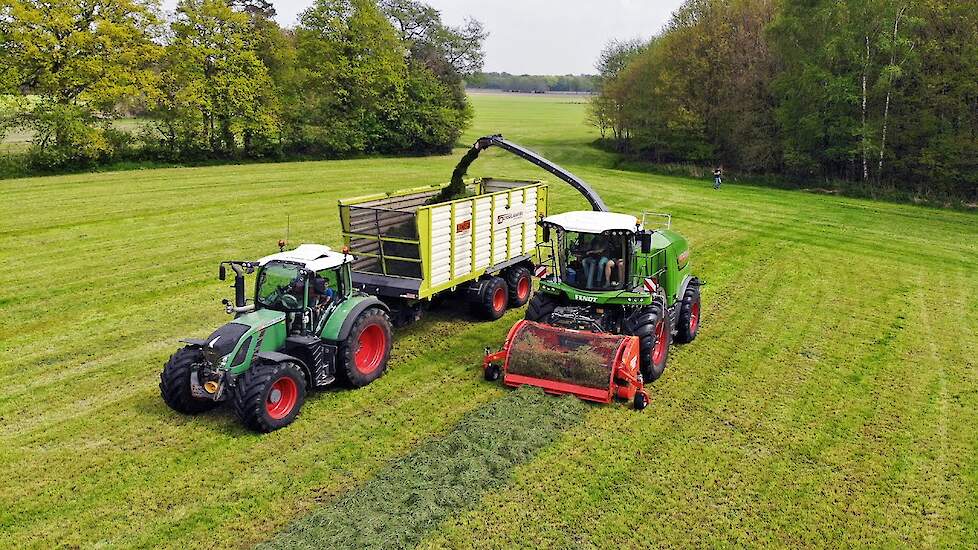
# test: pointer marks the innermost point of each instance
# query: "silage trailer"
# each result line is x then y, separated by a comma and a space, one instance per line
408, 251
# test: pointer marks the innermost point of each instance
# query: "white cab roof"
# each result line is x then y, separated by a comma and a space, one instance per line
587, 221
315, 257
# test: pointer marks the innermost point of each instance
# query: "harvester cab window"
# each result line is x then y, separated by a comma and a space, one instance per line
593, 261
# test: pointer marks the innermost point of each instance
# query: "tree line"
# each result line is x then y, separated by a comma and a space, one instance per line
875, 95
220, 79
528, 83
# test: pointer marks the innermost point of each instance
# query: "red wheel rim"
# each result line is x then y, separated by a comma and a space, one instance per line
370, 349
659, 352
694, 317
499, 299
281, 398
523, 288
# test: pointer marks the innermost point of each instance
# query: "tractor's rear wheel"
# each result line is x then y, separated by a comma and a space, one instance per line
365, 353
651, 325
269, 395
540, 308
175, 383
689, 314
520, 285
494, 298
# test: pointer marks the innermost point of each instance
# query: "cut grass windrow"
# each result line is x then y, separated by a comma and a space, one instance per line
442, 477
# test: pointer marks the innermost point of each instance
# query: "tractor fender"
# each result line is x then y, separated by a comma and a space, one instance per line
341, 322
278, 357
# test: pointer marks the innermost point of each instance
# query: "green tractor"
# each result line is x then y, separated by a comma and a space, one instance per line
606, 273
307, 327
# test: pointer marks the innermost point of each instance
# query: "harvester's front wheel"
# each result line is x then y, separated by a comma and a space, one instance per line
520, 285
269, 395
689, 315
540, 308
175, 383
651, 325
365, 353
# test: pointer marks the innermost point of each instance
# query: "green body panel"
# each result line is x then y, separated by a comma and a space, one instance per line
331, 330
662, 262
268, 322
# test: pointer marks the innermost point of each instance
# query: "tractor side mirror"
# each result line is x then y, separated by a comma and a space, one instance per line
645, 240
546, 233
222, 272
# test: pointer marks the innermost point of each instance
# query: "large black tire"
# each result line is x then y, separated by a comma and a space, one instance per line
175, 383
269, 395
494, 299
520, 284
540, 308
689, 314
651, 325
364, 354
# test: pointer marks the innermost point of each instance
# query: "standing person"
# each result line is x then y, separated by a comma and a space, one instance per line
717, 177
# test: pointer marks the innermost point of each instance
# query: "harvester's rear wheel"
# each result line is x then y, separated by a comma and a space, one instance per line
689, 315
175, 383
365, 353
540, 308
651, 325
520, 285
269, 395
494, 298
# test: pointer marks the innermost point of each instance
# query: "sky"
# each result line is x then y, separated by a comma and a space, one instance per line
540, 36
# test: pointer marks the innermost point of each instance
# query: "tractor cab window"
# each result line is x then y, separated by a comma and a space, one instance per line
281, 286
593, 261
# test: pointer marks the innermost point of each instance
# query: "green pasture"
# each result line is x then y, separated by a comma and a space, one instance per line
831, 398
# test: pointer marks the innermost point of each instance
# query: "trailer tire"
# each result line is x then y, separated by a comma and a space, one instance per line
494, 298
540, 308
520, 285
689, 315
651, 325
269, 395
175, 383
364, 354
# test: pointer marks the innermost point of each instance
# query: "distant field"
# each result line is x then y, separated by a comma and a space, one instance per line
831, 398
20, 139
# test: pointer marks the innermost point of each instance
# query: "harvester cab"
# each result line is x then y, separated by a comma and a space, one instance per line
305, 328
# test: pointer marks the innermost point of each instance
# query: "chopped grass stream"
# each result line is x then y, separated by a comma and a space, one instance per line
446, 475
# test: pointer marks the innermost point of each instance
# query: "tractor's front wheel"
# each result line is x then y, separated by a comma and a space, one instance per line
365, 353
175, 383
651, 325
689, 314
269, 395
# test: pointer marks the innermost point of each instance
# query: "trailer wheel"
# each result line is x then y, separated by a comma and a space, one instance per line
540, 308
651, 325
365, 353
689, 315
175, 383
269, 395
494, 298
520, 285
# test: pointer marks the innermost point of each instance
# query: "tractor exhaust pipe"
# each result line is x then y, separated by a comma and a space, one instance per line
239, 286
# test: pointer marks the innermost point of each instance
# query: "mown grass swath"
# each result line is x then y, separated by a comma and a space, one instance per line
830, 398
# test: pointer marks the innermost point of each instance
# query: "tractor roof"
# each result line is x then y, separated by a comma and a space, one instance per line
315, 257
587, 221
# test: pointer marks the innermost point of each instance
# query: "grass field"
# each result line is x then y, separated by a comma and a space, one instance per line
831, 398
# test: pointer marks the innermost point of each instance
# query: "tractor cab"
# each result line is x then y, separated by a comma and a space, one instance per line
306, 284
